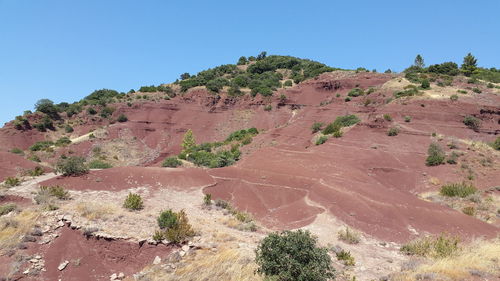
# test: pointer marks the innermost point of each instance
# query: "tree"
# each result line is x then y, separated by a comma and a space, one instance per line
185, 76
419, 61
188, 142
47, 106
262, 55
293, 255
242, 61
469, 65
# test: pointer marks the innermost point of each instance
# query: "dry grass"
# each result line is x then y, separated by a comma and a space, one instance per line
479, 257
95, 211
349, 236
13, 228
226, 264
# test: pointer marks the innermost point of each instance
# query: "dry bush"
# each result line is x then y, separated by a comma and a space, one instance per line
94, 211
349, 236
14, 228
479, 257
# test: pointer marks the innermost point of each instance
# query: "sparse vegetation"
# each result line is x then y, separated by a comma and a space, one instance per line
41, 145
122, 118
7, 208
99, 164
454, 97
387, 117
345, 257
133, 202
321, 140
457, 190
55, 191
435, 155
174, 227
407, 119
438, 247
349, 236
393, 131
12, 181
207, 199
171, 162
18, 151
72, 166
293, 255
316, 127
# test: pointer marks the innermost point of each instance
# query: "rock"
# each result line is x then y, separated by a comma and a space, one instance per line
113, 277
157, 260
33, 260
63, 265
174, 257
185, 248
336, 249
182, 253
38, 257
27, 271
121, 275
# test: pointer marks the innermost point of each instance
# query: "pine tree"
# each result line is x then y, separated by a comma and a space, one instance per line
469, 65
419, 61
188, 142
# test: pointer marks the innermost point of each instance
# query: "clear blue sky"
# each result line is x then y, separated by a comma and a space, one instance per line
63, 50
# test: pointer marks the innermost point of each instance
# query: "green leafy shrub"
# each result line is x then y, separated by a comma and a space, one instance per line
435, 155
293, 255
68, 129
462, 91
472, 122
72, 166
268, 107
496, 144
222, 204
12, 181
345, 257
37, 171
438, 247
98, 164
41, 145
356, 92
241, 134
394, 131
454, 97
34, 158
7, 208
331, 128
337, 134
452, 159
122, 118
171, 162
477, 90
316, 127
387, 117
446, 68
407, 119
425, 84
408, 91
174, 226
133, 202
457, 190
347, 120
288, 83
321, 140
91, 111
107, 112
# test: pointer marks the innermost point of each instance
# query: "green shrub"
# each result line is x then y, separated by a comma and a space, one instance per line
41, 145
356, 92
457, 190
268, 107
293, 255
347, 120
316, 127
37, 171
68, 129
407, 119
387, 117
107, 112
98, 164
181, 231
349, 236
12, 181
7, 208
496, 144
454, 97
64, 141
287, 83
122, 118
347, 99
408, 91
91, 111
477, 90
222, 204
321, 140
446, 68
425, 84
34, 158
331, 128
16, 150
462, 91
435, 155
345, 257
438, 247
133, 202
452, 159
207, 199
394, 131
472, 122
72, 166
167, 219
55, 191
241, 134
171, 162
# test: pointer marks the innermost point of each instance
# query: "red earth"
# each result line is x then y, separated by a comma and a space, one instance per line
365, 178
